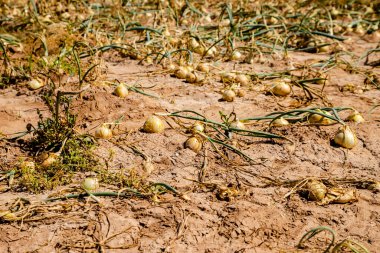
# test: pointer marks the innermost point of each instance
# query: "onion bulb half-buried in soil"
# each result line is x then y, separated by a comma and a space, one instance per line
35, 84
228, 95
315, 118
90, 184
345, 137
103, 132
280, 122
193, 143
355, 117
281, 89
121, 91
153, 125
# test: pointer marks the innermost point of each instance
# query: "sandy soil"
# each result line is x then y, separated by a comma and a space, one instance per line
259, 219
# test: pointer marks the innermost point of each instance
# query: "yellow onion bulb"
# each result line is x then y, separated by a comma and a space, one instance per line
281, 89
199, 50
324, 49
355, 117
280, 122
154, 125
228, 95
121, 91
181, 72
35, 84
49, 160
240, 93
242, 79
203, 67
193, 43
319, 119
90, 184
316, 189
236, 56
345, 137
198, 127
194, 144
192, 78
228, 77
238, 124
103, 132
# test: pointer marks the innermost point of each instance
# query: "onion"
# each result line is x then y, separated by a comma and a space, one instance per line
228, 95
227, 77
103, 132
281, 89
359, 30
319, 119
240, 93
194, 144
242, 79
193, 43
203, 67
225, 22
316, 190
153, 125
355, 117
238, 124
121, 91
49, 160
236, 56
182, 72
280, 122
199, 50
28, 165
345, 137
90, 184
198, 127
35, 84
324, 49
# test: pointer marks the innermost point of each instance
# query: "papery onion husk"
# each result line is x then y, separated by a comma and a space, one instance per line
340, 196
316, 190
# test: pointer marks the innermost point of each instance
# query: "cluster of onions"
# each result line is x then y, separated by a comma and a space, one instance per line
153, 125
197, 48
227, 77
103, 132
35, 84
90, 184
194, 143
281, 88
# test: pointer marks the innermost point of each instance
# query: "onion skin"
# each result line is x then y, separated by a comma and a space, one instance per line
317, 190
345, 137
154, 125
